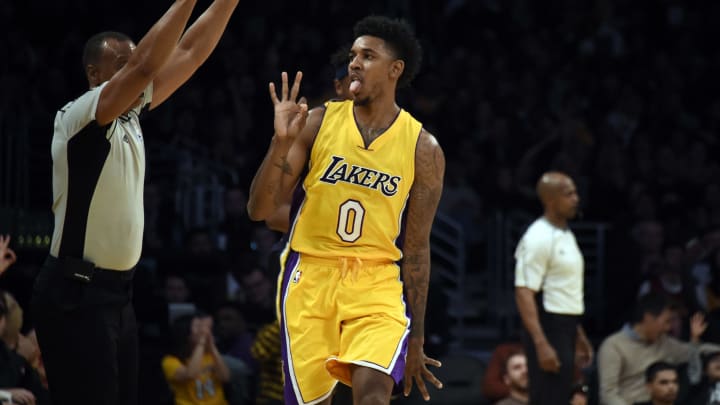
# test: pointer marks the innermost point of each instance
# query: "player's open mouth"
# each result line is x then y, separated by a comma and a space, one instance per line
355, 85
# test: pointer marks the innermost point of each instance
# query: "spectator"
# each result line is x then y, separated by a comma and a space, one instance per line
17, 376
668, 276
7, 256
13, 321
233, 337
266, 350
263, 242
493, 384
708, 295
176, 289
234, 342
194, 369
260, 298
204, 267
661, 381
178, 296
624, 356
707, 391
515, 376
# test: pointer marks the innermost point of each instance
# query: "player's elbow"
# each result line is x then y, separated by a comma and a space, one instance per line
254, 212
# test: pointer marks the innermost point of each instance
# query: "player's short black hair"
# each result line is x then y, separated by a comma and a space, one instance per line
656, 367
94, 46
400, 38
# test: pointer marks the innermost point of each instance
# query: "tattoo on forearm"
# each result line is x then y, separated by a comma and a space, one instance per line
424, 198
415, 260
416, 278
284, 165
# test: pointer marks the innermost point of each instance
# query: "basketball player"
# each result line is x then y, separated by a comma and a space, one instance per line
280, 220
82, 296
353, 290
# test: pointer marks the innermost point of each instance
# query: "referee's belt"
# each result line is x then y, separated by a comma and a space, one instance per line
87, 272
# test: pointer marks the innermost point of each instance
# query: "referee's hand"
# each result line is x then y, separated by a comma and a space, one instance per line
547, 357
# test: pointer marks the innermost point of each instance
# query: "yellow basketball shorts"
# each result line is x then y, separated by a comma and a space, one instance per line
334, 313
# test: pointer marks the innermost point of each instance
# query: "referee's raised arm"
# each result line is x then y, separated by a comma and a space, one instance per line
138, 66
82, 298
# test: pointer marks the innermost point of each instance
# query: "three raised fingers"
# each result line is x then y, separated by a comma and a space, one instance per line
294, 90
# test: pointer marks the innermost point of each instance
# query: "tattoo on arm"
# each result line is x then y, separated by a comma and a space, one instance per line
424, 199
416, 277
284, 165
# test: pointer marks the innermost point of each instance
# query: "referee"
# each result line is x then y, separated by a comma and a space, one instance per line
549, 293
81, 299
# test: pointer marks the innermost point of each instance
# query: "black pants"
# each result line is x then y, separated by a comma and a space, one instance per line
87, 336
552, 388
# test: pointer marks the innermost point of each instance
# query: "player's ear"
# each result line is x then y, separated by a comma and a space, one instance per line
397, 68
93, 75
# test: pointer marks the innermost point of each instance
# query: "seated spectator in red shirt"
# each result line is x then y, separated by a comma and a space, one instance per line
515, 376
493, 385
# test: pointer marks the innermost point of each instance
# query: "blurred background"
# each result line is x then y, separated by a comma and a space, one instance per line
619, 94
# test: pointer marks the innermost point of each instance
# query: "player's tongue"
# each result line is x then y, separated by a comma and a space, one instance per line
355, 86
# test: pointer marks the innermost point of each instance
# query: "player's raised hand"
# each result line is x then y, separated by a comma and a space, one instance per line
416, 369
290, 113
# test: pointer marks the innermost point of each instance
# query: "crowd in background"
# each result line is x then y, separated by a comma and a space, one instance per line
621, 95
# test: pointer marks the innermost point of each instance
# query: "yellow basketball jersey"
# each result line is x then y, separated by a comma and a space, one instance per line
355, 197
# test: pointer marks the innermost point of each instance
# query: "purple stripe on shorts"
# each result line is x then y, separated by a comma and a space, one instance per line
398, 372
290, 263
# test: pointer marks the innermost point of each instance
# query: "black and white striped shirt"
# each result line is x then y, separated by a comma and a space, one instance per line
98, 177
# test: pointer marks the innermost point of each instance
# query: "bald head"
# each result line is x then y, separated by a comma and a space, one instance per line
558, 195
551, 184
